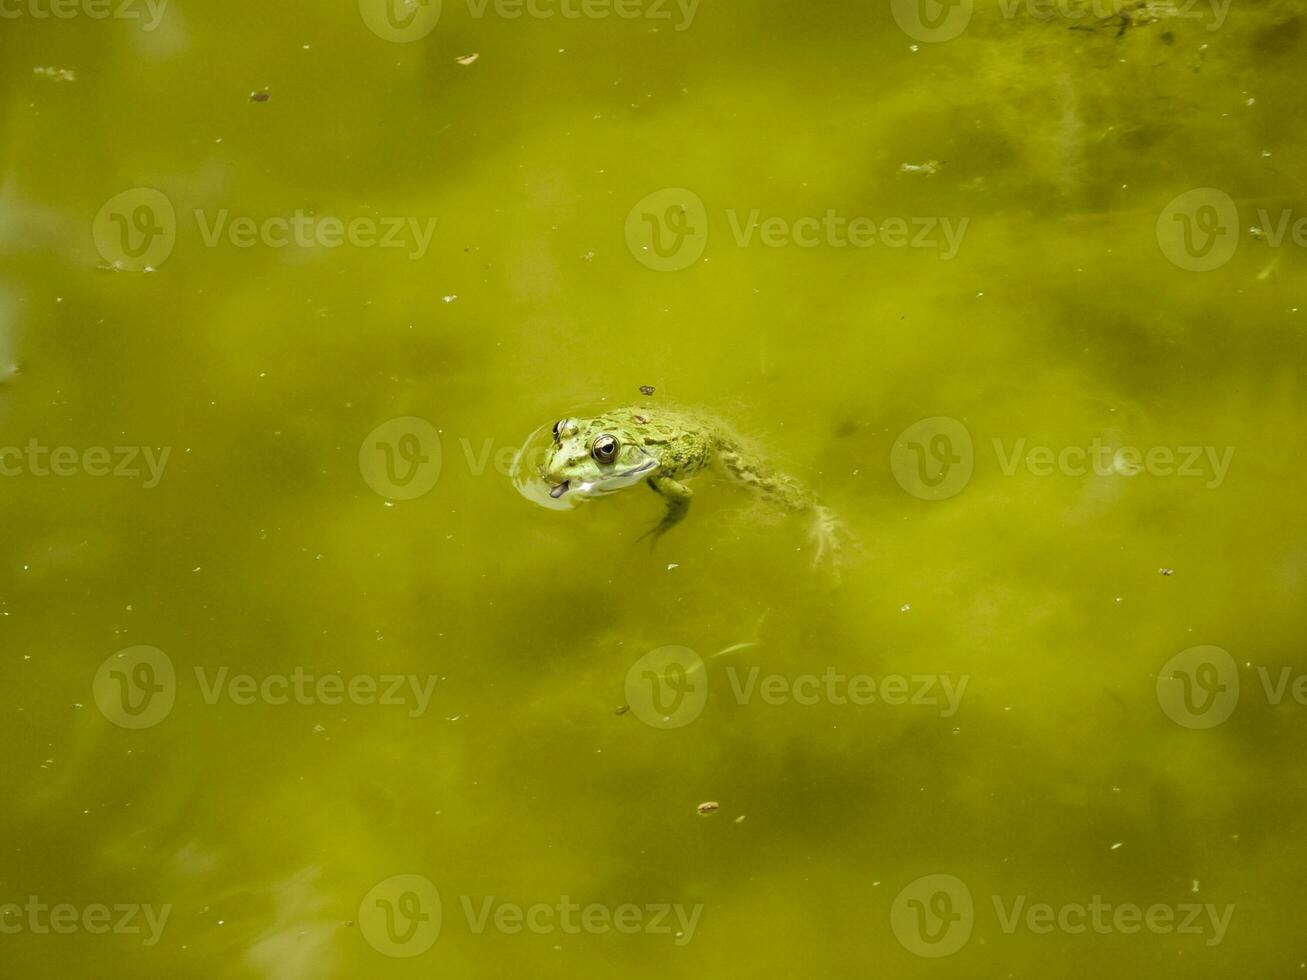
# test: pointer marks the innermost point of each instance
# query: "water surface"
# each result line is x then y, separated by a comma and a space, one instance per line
1047, 298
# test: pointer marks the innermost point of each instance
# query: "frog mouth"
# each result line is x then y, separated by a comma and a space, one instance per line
603, 485
613, 482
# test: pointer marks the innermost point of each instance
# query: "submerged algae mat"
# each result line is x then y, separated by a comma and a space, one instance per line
294, 683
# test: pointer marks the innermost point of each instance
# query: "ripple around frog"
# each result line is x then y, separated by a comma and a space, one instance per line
525, 471
534, 451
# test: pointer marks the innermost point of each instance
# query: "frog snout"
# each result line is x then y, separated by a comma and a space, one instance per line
556, 481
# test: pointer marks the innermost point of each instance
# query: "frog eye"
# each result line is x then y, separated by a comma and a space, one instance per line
558, 425
604, 448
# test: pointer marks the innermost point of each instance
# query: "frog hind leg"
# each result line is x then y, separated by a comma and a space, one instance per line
677, 496
772, 485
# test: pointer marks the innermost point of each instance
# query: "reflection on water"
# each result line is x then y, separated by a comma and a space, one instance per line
527, 471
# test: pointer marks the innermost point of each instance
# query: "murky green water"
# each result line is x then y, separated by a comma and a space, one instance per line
292, 689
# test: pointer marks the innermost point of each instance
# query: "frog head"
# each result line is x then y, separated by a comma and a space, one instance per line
594, 457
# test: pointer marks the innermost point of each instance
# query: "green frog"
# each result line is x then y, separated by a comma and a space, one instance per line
594, 457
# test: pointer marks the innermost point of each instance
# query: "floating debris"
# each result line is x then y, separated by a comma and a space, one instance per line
467, 59
929, 168
1166, 571
623, 709
56, 74
646, 389
706, 808
263, 96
